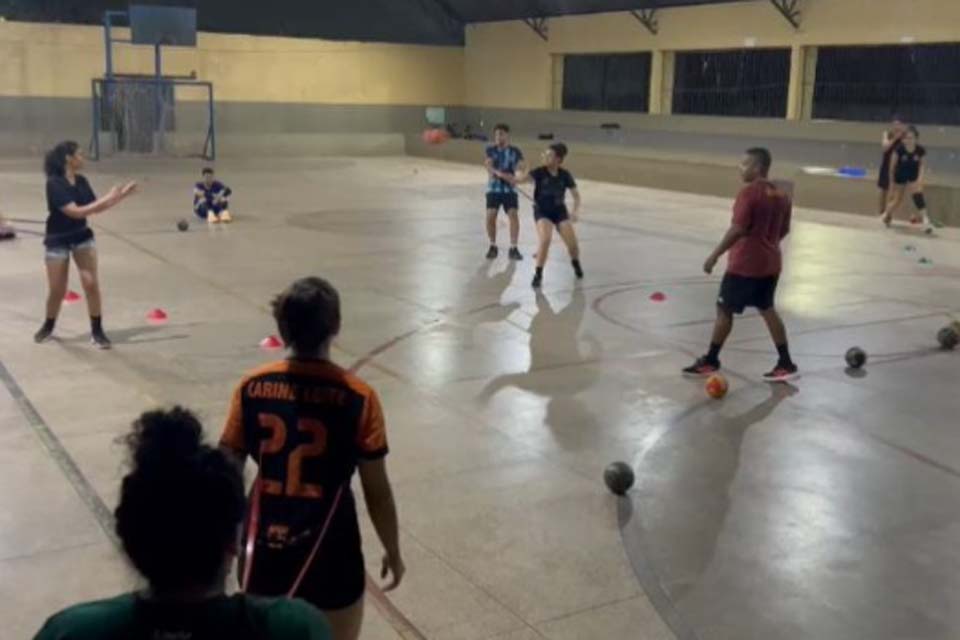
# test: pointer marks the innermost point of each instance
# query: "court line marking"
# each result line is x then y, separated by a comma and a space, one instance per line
643, 566
394, 617
88, 495
916, 455
397, 620
104, 517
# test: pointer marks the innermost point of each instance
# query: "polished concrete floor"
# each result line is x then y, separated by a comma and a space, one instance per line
829, 509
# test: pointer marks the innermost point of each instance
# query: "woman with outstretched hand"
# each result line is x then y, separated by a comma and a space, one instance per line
70, 201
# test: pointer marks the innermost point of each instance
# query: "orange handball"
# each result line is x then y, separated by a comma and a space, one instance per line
716, 386
435, 136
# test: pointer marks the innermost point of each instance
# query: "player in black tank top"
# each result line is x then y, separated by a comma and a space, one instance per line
892, 139
906, 172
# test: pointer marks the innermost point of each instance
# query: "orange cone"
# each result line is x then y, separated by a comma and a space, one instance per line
271, 343
157, 316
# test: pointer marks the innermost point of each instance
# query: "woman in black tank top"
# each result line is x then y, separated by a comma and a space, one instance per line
907, 166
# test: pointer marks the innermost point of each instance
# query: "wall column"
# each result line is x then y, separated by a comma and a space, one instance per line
809, 82
655, 102
557, 97
661, 83
797, 82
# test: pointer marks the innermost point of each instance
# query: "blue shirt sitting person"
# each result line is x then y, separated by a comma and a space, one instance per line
210, 199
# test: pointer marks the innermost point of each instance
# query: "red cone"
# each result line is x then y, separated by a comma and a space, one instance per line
658, 296
271, 342
71, 297
158, 316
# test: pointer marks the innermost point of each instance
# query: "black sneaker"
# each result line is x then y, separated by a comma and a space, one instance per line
44, 334
493, 252
100, 340
702, 368
537, 280
783, 372
515, 254
578, 270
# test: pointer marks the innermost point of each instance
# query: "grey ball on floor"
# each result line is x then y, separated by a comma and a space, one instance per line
948, 337
619, 477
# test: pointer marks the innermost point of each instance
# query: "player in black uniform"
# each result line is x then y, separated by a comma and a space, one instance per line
907, 168
551, 183
892, 140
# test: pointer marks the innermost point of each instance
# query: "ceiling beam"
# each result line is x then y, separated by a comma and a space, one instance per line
539, 26
790, 10
449, 11
648, 18
444, 13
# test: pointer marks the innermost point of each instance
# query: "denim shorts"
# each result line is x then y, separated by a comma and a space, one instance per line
64, 251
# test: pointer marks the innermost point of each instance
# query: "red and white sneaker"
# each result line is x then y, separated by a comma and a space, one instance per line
782, 373
702, 368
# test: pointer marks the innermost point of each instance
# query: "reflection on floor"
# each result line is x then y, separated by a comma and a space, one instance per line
824, 510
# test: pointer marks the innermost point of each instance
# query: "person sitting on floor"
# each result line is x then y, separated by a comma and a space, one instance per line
179, 519
210, 199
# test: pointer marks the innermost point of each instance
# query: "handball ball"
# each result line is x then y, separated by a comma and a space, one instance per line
716, 386
435, 136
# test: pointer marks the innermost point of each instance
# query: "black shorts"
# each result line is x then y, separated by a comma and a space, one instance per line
335, 579
508, 201
902, 178
556, 216
739, 292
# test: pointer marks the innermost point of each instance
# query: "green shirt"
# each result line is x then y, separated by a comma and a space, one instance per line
238, 617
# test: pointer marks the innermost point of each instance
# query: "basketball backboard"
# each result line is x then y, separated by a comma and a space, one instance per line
168, 26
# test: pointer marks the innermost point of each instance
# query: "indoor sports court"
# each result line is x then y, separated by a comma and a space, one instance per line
352, 137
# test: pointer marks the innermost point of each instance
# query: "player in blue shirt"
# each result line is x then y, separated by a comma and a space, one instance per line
503, 158
210, 199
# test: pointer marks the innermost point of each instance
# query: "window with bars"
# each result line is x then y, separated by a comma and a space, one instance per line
922, 82
617, 82
745, 82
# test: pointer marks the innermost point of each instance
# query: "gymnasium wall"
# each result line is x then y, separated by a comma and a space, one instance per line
507, 65
514, 76
268, 90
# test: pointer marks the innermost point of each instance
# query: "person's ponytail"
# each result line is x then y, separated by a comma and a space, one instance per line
55, 162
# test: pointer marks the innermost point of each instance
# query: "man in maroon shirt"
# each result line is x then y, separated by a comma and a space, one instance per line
761, 219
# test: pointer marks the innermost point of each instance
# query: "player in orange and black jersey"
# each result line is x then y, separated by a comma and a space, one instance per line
308, 424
